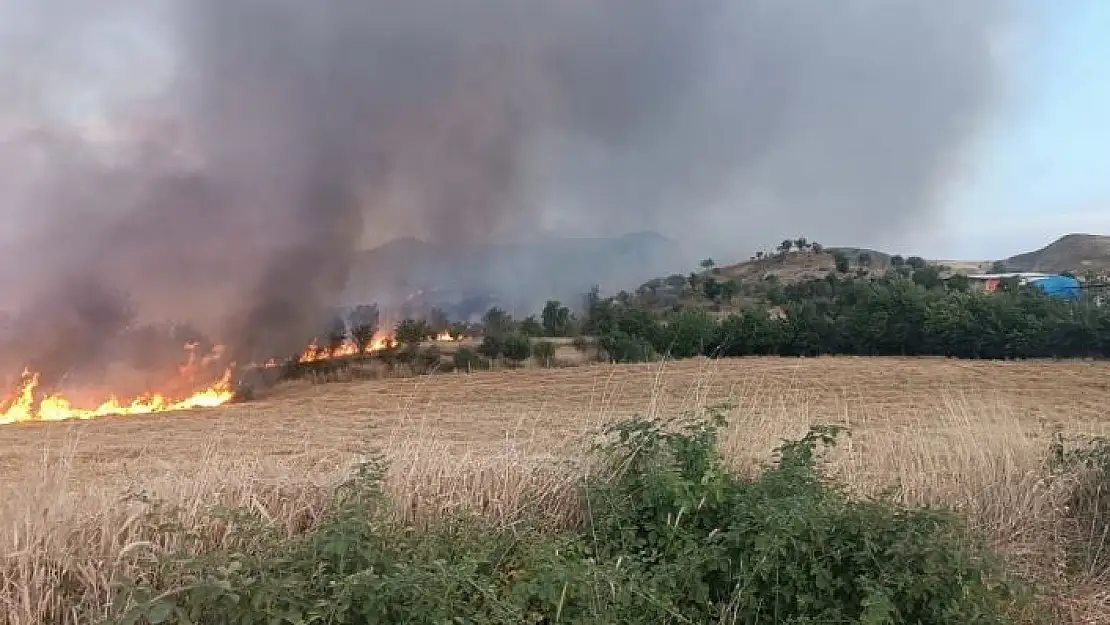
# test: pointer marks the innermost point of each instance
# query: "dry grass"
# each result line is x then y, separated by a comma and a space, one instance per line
966, 434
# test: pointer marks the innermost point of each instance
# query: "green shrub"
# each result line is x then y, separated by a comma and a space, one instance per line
1086, 463
467, 359
544, 351
492, 347
626, 348
671, 537
516, 348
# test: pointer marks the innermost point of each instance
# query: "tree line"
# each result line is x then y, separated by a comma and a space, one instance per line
890, 316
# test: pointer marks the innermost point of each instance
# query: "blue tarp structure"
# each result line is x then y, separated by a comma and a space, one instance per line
1064, 287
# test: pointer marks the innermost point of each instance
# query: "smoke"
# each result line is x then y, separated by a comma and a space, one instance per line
221, 161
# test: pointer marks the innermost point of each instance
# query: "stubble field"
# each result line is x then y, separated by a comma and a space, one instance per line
974, 436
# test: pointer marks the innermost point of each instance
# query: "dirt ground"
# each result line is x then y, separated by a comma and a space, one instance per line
547, 410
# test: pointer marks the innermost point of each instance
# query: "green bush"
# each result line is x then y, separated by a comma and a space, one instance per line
516, 348
626, 348
671, 537
467, 359
544, 351
492, 347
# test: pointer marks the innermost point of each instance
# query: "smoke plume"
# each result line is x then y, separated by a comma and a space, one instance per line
219, 161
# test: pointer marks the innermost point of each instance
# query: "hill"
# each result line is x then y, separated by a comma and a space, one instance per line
1079, 253
521, 275
799, 265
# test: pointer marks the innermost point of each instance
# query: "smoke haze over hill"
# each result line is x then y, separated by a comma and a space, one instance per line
222, 162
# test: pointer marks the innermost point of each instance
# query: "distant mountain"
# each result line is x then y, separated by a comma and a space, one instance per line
1077, 253
520, 276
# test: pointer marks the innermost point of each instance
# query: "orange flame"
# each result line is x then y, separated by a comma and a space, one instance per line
315, 353
57, 408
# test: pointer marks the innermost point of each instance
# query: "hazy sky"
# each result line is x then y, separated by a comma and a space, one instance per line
1041, 171
1044, 171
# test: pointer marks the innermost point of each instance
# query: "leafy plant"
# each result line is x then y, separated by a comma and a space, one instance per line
544, 351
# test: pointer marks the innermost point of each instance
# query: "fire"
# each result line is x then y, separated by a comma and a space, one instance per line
315, 353
382, 340
24, 407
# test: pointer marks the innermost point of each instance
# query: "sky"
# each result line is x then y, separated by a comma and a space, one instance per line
1044, 169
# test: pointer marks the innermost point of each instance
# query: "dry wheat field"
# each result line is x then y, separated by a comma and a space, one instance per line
970, 435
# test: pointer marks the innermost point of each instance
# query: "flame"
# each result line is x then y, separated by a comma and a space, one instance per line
445, 337
315, 353
23, 406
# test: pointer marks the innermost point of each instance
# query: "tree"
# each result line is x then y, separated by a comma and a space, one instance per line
496, 322
786, 246
928, 277
712, 289
516, 348
729, 290
707, 263
364, 323
531, 327
438, 321
916, 262
999, 267
458, 330
959, 282
759, 255
897, 260
842, 264
865, 259
801, 243
817, 248
412, 332
467, 359
694, 279
544, 351
337, 335
556, 319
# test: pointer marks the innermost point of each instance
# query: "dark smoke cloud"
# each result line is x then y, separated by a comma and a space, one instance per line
220, 160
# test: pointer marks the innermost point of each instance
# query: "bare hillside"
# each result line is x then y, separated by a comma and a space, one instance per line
1073, 252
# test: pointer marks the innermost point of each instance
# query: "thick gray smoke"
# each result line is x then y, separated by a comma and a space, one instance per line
221, 160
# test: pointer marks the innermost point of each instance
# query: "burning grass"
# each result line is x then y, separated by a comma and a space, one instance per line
974, 436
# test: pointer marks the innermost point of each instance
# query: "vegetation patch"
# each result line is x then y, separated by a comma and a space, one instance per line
669, 536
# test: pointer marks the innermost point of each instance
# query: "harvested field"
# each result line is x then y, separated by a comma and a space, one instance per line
971, 435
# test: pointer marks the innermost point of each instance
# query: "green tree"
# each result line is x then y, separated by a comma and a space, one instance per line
916, 262
364, 324
959, 282
493, 346
999, 267
412, 332
531, 327
458, 330
928, 277
801, 243
842, 263
467, 359
786, 245
556, 319
711, 288
729, 290
544, 351
497, 322
516, 348
897, 260
708, 263
817, 248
